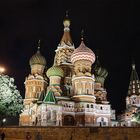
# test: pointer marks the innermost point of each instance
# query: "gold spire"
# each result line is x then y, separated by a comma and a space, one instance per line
66, 38
133, 64
66, 21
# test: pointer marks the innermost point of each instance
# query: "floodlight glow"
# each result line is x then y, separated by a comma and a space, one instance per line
4, 120
2, 69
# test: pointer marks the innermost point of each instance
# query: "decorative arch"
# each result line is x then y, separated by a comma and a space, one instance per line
69, 120
102, 121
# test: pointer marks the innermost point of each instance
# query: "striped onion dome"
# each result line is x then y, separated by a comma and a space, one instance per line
37, 58
83, 53
55, 71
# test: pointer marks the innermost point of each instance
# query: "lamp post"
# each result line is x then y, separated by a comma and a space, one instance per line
3, 122
2, 134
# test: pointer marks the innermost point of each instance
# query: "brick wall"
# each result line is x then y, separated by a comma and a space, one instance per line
73, 133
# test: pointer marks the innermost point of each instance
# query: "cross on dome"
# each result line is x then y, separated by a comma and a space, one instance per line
82, 35
39, 45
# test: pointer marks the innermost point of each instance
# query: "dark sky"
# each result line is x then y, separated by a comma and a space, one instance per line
111, 26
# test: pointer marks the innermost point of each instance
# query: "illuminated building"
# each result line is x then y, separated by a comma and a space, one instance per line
132, 99
68, 93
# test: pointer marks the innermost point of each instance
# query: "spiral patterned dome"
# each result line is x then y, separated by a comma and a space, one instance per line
99, 70
55, 71
37, 59
99, 79
83, 53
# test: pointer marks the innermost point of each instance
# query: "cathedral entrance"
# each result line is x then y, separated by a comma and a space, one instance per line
69, 120
102, 121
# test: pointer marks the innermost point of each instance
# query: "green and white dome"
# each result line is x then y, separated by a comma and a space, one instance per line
100, 71
55, 71
99, 79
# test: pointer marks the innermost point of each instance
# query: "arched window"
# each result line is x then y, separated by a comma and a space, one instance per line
87, 91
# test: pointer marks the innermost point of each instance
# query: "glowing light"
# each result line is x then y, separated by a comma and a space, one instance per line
2, 69
4, 120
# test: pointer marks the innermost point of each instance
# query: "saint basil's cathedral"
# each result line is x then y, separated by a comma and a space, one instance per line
68, 93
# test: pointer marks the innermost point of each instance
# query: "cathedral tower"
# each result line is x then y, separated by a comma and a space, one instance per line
63, 56
66, 46
36, 81
82, 80
133, 98
35, 84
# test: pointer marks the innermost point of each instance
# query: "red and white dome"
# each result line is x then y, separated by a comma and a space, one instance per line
83, 53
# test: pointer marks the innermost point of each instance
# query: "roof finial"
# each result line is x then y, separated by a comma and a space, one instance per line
38, 45
66, 21
82, 35
67, 15
133, 63
97, 53
38, 48
133, 66
97, 59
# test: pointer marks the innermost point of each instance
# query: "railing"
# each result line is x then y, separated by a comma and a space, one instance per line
71, 109
68, 109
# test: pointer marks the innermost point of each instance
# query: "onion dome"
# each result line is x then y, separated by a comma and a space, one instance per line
83, 53
55, 71
99, 70
37, 58
99, 79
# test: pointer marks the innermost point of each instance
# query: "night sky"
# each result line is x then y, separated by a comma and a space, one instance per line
111, 26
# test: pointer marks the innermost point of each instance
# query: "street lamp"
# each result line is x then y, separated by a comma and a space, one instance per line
2, 134
3, 122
